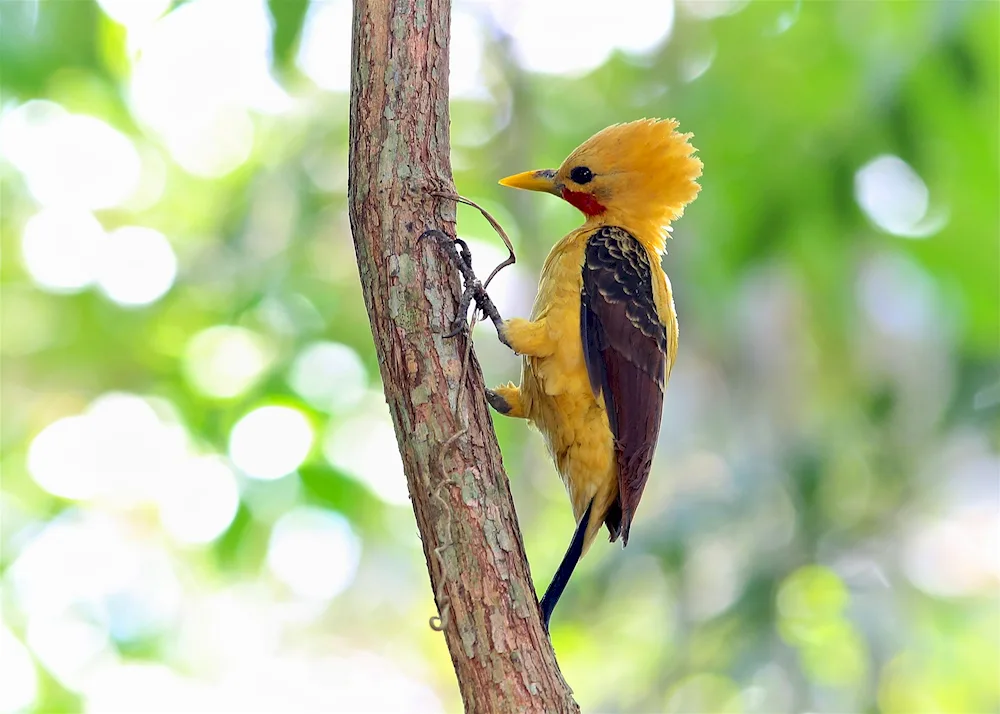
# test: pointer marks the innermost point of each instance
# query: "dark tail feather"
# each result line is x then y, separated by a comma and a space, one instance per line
614, 519
555, 589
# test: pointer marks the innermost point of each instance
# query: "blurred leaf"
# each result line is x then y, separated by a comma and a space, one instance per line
288, 17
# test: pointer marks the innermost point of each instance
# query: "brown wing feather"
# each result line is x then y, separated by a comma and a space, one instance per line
624, 346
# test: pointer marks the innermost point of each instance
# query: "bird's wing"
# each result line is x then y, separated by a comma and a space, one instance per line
624, 345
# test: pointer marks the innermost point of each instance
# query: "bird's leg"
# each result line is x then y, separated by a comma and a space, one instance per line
458, 252
555, 589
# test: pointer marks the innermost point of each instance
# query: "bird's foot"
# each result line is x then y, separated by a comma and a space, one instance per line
497, 402
458, 252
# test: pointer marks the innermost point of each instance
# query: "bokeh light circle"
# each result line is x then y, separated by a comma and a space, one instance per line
137, 266
61, 248
270, 442
314, 552
200, 502
69, 159
330, 376
225, 361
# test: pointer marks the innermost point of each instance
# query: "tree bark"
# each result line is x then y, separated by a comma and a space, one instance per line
399, 152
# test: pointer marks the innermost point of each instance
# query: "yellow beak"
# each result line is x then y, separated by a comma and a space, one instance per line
542, 180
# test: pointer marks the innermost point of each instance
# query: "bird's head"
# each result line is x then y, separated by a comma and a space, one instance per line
638, 175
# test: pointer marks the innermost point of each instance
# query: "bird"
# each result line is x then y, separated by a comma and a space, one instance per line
601, 340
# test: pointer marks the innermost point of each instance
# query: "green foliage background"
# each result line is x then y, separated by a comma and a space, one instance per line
832, 417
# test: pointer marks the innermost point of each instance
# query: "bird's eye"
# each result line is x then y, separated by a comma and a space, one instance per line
581, 174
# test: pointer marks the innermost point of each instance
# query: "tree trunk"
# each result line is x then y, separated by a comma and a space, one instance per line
399, 151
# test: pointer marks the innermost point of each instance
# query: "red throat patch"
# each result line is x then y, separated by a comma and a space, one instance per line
584, 201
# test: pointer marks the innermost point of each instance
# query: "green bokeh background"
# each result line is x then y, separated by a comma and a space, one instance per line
821, 530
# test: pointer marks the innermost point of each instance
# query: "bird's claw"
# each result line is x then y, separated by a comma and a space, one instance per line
458, 252
497, 402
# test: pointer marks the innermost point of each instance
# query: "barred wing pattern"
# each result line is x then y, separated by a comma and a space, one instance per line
625, 349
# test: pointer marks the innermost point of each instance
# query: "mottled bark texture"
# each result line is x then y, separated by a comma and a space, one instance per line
399, 151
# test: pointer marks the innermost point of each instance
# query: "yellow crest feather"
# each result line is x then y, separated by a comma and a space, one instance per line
648, 174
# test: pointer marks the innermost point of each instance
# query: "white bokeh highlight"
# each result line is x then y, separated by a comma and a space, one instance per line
119, 449
324, 50
61, 249
20, 688
575, 36
553, 37
465, 79
950, 551
225, 361
70, 647
85, 579
896, 199
270, 442
313, 552
200, 72
61, 459
365, 448
134, 15
276, 680
69, 159
137, 266
126, 451
330, 376
952, 557
65, 250
201, 503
